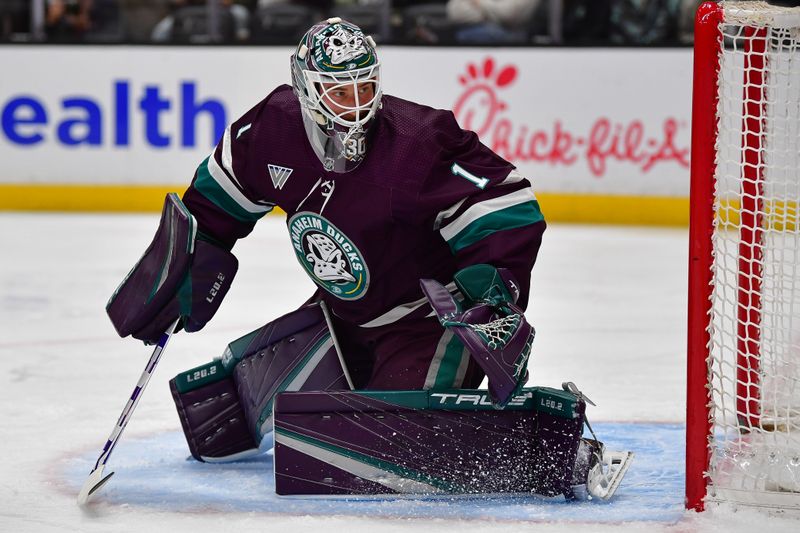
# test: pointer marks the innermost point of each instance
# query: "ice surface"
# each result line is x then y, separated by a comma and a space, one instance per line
609, 309
653, 491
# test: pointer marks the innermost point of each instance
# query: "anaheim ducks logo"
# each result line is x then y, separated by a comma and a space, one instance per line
329, 257
341, 47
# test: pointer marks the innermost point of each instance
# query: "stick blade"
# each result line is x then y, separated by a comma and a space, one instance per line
92, 484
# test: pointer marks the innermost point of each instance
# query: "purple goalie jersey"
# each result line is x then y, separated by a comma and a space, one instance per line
427, 200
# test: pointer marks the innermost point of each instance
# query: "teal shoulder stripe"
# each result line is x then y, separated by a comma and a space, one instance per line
516, 216
208, 187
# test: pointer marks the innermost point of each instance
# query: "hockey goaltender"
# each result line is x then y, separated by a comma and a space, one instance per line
421, 242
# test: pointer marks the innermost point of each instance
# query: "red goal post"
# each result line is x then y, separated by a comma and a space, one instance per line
743, 394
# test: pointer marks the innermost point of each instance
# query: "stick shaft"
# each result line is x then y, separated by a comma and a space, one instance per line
133, 401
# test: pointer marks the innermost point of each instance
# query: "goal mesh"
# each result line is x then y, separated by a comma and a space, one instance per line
497, 333
754, 326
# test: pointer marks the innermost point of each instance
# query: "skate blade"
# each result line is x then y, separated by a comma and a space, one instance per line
605, 481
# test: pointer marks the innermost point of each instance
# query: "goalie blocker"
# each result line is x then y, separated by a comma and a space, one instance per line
179, 276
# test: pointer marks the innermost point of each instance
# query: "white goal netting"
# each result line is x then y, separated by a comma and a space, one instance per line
754, 363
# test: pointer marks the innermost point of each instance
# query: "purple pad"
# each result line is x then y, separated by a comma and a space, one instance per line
178, 276
210, 413
155, 278
210, 276
295, 352
426, 442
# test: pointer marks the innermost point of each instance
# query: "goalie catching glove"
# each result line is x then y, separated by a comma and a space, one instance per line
490, 325
179, 275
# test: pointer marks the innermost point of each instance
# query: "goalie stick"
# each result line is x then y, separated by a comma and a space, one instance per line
96, 478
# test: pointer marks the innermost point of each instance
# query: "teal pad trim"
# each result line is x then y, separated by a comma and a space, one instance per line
200, 376
555, 402
237, 349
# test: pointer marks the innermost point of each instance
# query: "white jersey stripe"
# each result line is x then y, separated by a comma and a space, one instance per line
447, 213
461, 373
513, 177
232, 190
436, 362
227, 156
484, 208
395, 314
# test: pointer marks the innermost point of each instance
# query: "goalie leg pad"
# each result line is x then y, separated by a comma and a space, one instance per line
225, 407
296, 352
426, 442
211, 415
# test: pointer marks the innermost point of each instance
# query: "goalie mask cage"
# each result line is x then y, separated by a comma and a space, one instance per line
743, 401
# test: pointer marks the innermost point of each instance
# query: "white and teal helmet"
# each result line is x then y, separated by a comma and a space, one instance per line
332, 55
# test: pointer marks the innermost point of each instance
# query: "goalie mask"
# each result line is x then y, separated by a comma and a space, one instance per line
336, 77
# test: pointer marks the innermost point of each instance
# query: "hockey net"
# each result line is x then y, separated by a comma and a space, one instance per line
743, 405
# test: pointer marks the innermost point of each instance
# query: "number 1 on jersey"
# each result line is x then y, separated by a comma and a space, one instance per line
458, 170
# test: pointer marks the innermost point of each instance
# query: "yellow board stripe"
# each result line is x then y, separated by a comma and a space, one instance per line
84, 198
776, 215
613, 209
556, 207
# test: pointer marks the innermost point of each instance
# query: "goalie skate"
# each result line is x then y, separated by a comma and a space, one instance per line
598, 472
607, 472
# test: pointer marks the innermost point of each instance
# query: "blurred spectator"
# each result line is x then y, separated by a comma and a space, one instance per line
644, 22
586, 22
628, 22
141, 16
240, 14
491, 21
75, 20
285, 21
67, 19
320, 7
15, 19
423, 22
